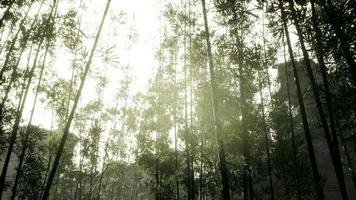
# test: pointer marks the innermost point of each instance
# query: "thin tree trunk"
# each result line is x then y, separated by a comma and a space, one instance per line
76, 100
247, 178
49, 153
332, 144
192, 182
17, 32
316, 175
175, 124
15, 67
19, 114
347, 154
332, 118
201, 166
246, 173
123, 131
291, 123
344, 43
217, 128
320, 57
248, 192
267, 142
186, 128
27, 132
80, 163
75, 192
15, 39
158, 131
265, 65
16, 124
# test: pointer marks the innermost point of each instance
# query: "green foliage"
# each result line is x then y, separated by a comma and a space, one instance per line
160, 142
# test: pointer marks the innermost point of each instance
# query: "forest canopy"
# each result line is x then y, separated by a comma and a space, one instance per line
178, 99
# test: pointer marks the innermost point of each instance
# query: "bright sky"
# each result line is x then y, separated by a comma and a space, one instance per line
141, 16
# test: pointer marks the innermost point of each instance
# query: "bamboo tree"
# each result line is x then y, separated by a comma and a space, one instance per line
291, 121
12, 43
191, 27
187, 129
15, 67
70, 118
7, 37
332, 16
49, 152
21, 95
347, 154
201, 176
265, 55
217, 125
316, 175
28, 127
247, 178
76, 50
20, 111
15, 39
328, 97
267, 142
332, 143
267, 134
126, 85
2, 19
17, 123
174, 62
159, 120
14, 130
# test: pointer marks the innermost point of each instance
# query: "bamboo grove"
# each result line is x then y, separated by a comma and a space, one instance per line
247, 99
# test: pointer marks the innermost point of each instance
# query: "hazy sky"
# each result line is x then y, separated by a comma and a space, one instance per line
143, 16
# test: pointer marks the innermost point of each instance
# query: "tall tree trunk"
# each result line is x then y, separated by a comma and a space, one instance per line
320, 57
158, 131
187, 131
332, 144
15, 67
267, 142
192, 181
174, 60
80, 178
291, 123
316, 175
19, 114
122, 130
49, 152
76, 100
201, 176
246, 171
157, 171
248, 191
217, 126
347, 154
15, 39
17, 123
265, 65
27, 132
344, 43
247, 178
